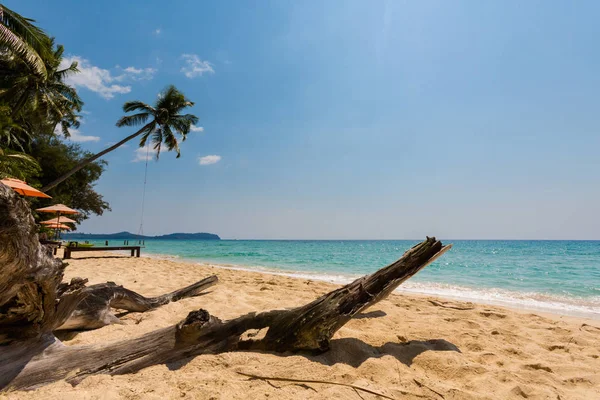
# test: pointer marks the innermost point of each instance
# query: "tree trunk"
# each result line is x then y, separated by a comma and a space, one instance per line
32, 356
96, 310
85, 162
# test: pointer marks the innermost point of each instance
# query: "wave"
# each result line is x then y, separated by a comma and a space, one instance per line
588, 307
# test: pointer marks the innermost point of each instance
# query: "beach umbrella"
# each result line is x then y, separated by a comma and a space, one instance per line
57, 221
58, 209
23, 189
59, 226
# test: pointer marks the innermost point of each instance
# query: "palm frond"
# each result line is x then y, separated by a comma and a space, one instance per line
23, 50
188, 117
170, 140
133, 120
17, 165
173, 100
147, 130
130, 106
24, 27
157, 139
59, 51
68, 94
24, 39
64, 126
64, 73
183, 123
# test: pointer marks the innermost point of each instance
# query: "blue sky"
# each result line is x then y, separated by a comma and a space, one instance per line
347, 119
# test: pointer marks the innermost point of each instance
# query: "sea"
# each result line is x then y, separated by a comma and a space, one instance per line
561, 277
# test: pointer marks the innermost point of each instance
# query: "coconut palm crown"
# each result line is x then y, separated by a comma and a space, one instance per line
167, 120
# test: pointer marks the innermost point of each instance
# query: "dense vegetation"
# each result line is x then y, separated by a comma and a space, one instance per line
38, 107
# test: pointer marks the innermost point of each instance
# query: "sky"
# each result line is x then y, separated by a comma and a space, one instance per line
345, 119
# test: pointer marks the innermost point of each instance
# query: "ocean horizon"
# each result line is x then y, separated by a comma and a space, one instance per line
556, 276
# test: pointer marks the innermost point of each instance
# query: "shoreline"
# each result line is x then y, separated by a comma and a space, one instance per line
560, 309
407, 346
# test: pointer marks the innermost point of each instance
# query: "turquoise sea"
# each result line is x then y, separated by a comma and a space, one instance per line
554, 276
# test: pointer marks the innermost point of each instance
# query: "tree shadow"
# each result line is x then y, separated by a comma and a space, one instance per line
102, 256
65, 336
354, 352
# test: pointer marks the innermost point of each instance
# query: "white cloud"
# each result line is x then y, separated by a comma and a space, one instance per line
208, 160
157, 31
77, 136
195, 66
102, 81
145, 153
137, 74
93, 78
195, 128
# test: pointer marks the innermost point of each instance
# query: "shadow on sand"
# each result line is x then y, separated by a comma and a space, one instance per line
354, 352
102, 256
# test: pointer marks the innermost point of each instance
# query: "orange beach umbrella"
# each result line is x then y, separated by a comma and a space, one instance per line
57, 221
58, 208
59, 226
23, 189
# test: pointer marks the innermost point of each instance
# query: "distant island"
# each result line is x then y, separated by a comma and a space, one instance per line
129, 235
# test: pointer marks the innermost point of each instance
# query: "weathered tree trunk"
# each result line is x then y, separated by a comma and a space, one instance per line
29, 276
36, 357
96, 310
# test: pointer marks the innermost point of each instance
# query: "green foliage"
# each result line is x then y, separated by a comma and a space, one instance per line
12, 135
40, 102
18, 165
57, 157
34, 100
14, 163
23, 39
166, 120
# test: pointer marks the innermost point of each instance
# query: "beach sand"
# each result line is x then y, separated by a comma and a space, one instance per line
405, 346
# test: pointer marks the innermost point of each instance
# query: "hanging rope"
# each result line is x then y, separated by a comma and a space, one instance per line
141, 228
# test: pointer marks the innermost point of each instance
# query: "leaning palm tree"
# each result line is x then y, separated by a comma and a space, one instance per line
165, 120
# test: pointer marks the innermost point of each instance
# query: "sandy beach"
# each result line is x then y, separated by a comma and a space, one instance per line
404, 347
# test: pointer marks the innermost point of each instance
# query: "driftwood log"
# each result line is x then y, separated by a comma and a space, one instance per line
33, 304
96, 309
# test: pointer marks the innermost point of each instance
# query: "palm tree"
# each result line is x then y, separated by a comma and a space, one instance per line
12, 135
14, 164
166, 120
38, 101
28, 42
